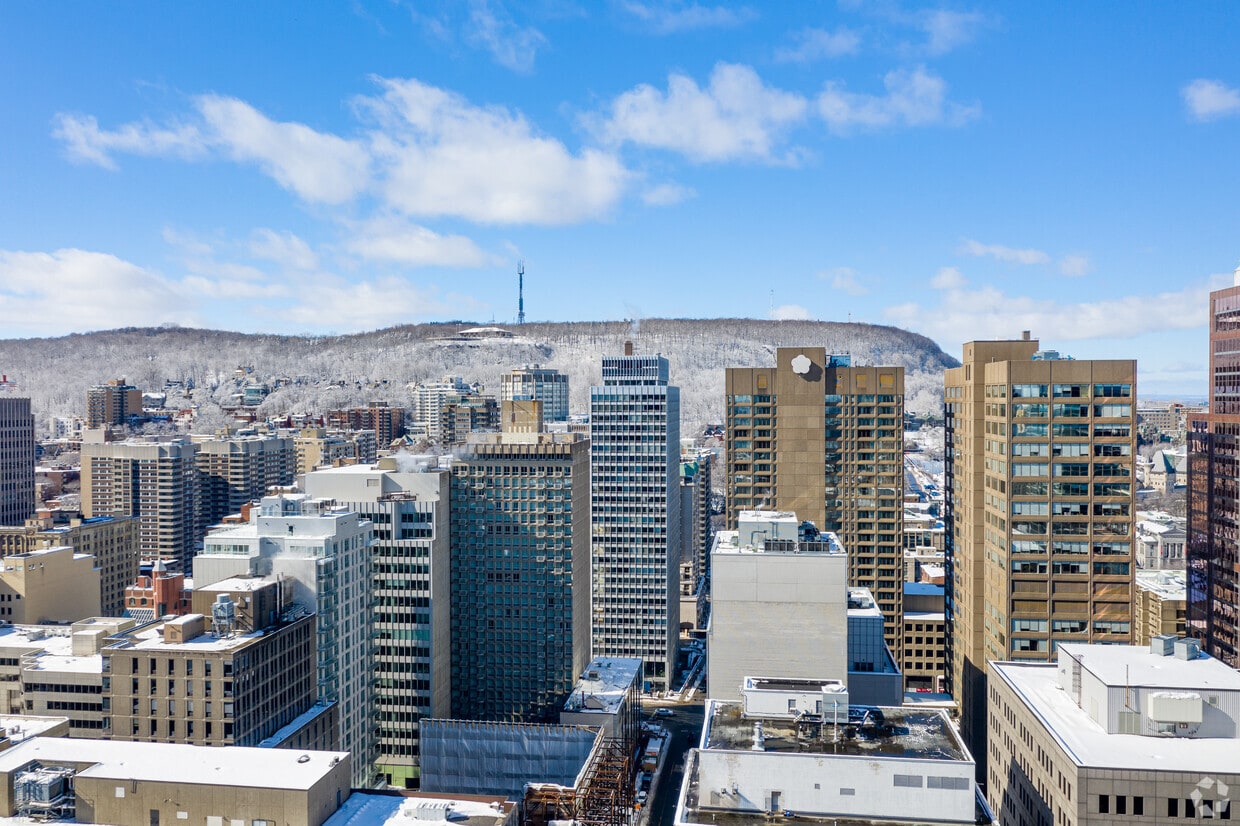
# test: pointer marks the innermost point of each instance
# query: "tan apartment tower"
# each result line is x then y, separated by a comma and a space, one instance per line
823, 439
112, 403
1039, 511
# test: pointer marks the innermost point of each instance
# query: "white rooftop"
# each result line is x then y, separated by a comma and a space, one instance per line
1088, 744
366, 809
1167, 584
176, 763
57, 639
151, 639
729, 542
602, 687
1135, 665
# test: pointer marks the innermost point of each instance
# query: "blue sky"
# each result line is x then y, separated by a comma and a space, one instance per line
964, 171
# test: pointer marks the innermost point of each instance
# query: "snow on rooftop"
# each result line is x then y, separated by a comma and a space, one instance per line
1088, 744
365, 809
1167, 584
602, 687
1134, 665
152, 639
177, 763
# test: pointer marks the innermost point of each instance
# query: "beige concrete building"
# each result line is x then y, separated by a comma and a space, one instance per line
111, 540
316, 447
162, 784
1159, 606
178, 682
825, 440
1039, 507
156, 482
925, 636
1114, 735
62, 673
52, 585
112, 403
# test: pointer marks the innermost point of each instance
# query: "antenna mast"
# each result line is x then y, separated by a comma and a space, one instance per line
521, 291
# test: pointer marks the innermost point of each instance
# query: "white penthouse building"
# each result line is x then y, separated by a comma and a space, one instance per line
323, 552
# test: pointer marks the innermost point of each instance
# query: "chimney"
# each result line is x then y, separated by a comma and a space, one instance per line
1025, 335
628, 348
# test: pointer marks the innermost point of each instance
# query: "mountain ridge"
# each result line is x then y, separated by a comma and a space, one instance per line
329, 371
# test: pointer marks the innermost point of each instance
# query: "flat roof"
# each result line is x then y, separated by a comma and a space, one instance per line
56, 639
373, 809
928, 589
909, 733
176, 763
296, 723
825, 544
1167, 584
1134, 665
1088, 744
603, 685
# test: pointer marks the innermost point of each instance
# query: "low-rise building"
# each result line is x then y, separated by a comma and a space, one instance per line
52, 585
819, 760
1159, 607
424, 809
149, 784
608, 696
925, 636
1114, 734
1160, 539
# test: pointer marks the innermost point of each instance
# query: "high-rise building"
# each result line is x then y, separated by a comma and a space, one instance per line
542, 383
155, 482
520, 573
111, 540
460, 416
407, 503
322, 552
235, 470
428, 397
695, 524
823, 439
112, 403
1213, 555
635, 514
316, 447
1039, 510
16, 461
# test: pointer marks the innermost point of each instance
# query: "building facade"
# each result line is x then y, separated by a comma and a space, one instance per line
1039, 507
154, 482
322, 552
408, 510
542, 383
236, 470
825, 440
16, 460
1112, 736
520, 574
1159, 606
112, 403
1213, 554
635, 514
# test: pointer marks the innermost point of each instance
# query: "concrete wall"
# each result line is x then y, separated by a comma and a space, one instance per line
828, 785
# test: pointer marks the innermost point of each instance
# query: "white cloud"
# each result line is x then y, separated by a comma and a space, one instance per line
845, 280
946, 30
512, 46
395, 240
790, 312
671, 17
73, 290
667, 194
810, 45
947, 278
1075, 265
319, 167
984, 312
444, 156
736, 116
913, 98
283, 248
1210, 99
87, 143
369, 305
1011, 255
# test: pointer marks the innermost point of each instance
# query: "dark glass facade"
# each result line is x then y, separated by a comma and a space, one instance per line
1213, 559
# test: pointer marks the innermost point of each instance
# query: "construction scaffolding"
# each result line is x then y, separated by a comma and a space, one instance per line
603, 795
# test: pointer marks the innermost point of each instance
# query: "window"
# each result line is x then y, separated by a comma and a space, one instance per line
907, 781
1028, 391
1028, 469
1117, 391
1121, 805
1029, 411
1112, 411
1104, 804
1070, 411
1138, 805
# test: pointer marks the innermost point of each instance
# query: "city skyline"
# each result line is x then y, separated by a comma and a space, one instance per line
965, 172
